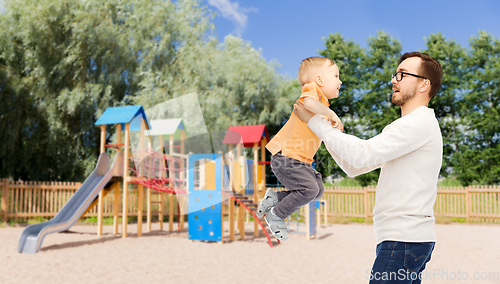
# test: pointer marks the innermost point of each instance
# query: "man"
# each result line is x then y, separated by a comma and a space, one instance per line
409, 152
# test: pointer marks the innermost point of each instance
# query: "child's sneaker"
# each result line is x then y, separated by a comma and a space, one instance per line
269, 200
277, 226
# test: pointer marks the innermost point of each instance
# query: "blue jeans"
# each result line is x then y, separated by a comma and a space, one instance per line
400, 262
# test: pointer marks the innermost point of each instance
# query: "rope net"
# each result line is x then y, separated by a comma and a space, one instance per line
160, 172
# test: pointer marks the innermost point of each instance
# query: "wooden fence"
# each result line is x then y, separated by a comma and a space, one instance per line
23, 201
472, 204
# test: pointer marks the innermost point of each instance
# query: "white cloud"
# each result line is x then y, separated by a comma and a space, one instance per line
233, 12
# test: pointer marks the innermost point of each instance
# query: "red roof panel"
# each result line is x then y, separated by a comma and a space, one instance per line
248, 134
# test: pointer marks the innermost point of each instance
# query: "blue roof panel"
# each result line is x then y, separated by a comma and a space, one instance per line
122, 115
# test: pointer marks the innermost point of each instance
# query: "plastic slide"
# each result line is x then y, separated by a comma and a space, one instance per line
32, 236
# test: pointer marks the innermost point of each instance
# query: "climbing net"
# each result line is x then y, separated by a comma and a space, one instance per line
165, 173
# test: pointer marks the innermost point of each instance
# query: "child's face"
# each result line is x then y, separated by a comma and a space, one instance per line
329, 81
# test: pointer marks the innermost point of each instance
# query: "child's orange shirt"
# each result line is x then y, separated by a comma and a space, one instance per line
295, 140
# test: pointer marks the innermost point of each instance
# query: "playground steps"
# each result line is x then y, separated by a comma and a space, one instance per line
245, 200
253, 206
248, 203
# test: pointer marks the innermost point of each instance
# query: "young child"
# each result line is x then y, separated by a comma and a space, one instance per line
295, 145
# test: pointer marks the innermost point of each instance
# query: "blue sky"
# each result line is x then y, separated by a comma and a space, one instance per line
291, 30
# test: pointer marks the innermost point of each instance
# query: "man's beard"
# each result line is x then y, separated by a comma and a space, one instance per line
403, 97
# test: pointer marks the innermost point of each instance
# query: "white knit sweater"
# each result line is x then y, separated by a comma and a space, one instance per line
409, 152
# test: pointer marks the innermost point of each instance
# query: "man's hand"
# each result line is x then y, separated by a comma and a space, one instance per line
302, 112
335, 122
305, 116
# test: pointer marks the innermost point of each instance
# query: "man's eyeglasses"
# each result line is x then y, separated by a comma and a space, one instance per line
399, 76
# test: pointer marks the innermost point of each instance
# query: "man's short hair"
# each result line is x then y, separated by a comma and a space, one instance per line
309, 64
429, 68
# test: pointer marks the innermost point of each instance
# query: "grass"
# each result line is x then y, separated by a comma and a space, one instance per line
450, 182
346, 220
36, 220
349, 220
105, 221
109, 220
88, 221
346, 182
351, 182
458, 220
331, 220
450, 220
443, 220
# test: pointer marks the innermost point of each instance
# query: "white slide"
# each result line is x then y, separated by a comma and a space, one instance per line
32, 236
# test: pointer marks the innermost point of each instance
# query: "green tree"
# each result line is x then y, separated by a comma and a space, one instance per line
364, 104
234, 83
23, 126
63, 63
477, 158
448, 101
380, 63
348, 56
377, 111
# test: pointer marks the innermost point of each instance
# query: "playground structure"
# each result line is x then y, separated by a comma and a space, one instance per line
165, 173
231, 179
32, 236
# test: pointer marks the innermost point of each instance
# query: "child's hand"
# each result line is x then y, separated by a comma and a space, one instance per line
335, 122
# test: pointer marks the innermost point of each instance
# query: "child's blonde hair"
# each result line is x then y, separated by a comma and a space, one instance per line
309, 64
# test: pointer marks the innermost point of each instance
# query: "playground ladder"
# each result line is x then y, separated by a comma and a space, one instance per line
245, 203
155, 199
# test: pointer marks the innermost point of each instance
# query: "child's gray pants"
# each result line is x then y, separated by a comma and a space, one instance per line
304, 184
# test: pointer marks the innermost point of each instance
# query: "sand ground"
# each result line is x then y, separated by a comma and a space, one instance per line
340, 254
